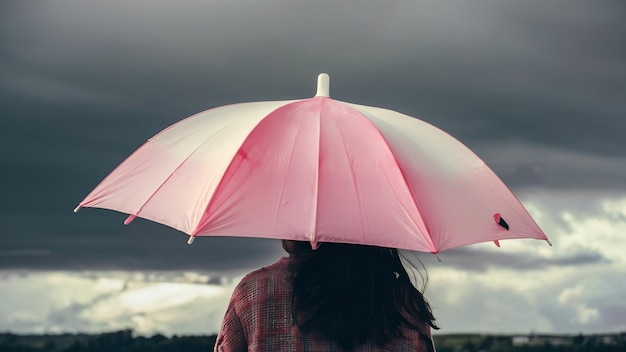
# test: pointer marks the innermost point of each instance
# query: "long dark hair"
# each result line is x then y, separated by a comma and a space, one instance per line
353, 294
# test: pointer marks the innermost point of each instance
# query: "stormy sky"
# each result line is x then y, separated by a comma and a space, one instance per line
537, 89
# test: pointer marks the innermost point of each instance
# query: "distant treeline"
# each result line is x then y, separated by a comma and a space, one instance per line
122, 341
612, 342
125, 341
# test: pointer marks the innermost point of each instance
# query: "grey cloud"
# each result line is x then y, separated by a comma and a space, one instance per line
483, 308
607, 306
612, 316
74, 243
99, 301
527, 165
69, 318
479, 305
583, 258
469, 259
24, 252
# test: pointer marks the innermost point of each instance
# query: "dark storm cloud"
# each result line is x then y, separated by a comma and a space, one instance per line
100, 241
527, 165
481, 260
85, 83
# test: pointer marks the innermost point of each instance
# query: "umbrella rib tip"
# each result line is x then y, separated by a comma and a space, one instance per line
323, 85
130, 219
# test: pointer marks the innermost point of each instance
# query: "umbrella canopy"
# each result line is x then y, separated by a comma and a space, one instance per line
317, 170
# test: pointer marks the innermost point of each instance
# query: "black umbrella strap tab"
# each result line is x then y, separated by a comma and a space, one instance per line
500, 221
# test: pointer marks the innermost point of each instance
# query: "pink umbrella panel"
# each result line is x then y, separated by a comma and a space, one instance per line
317, 170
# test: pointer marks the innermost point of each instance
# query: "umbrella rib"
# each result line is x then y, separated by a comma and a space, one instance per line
406, 183
162, 183
202, 223
313, 231
282, 186
354, 184
174, 172
415, 202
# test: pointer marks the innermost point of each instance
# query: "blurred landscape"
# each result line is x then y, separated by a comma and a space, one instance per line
126, 341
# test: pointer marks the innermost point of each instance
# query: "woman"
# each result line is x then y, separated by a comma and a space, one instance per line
339, 297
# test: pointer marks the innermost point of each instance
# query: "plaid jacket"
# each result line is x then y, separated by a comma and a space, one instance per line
259, 318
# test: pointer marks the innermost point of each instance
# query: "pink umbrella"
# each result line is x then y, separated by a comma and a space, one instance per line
317, 170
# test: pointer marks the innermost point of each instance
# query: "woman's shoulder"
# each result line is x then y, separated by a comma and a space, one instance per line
261, 277
262, 286
282, 265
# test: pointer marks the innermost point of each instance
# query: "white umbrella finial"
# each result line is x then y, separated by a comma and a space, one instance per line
323, 85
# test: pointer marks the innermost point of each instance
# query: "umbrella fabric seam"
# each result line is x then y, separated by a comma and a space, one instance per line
202, 223
354, 183
313, 231
172, 174
284, 180
428, 237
